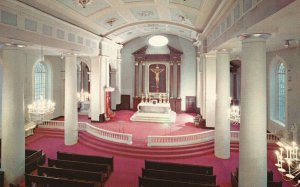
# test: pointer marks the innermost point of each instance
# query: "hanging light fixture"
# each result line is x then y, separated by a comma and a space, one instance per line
82, 3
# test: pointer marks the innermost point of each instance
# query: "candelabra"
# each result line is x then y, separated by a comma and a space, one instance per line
234, 115
83, 96
40, 108
288, 162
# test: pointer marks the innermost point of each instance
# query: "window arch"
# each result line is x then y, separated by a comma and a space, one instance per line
40, 81
281, 93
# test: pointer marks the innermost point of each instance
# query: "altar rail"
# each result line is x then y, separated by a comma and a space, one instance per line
235, 137
178, 140
197, 138
95, 131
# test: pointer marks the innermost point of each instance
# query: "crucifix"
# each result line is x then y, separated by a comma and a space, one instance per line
157, 71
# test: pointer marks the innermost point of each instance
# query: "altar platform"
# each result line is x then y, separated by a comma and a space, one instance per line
154, 112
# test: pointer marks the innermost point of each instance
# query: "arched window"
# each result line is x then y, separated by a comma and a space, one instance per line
281, 93
40, 81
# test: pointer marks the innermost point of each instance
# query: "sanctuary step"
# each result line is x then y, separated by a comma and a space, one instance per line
154, 117
134, 151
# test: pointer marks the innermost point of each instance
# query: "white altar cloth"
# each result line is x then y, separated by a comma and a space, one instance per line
154, 112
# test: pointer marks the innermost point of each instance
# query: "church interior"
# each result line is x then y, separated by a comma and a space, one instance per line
149, 93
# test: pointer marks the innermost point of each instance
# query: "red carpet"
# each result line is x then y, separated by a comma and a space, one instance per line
129, 160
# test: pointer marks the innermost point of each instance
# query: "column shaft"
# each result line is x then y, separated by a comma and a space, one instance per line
95, 88
136, 79
71, 113
253, 143
13, 137
178, 80
143, 78
171, 79
222, 126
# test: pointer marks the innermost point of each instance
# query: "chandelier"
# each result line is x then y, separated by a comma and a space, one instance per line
41, 107
288, 162
234, 115
82, 3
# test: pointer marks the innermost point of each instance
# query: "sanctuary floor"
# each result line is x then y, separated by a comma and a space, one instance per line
140, 130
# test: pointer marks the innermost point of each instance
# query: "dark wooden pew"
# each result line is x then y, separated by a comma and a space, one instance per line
72, 174
33, 159
185, 168
235, 183
86, 158
179, 176
1, 178
150, 182
84, 166
55, 182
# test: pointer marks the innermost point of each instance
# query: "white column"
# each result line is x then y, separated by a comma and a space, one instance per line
222, 126
118, 82
253, 143
71, 113
103, 83
95, 88
13, 136
210, 90
203, 91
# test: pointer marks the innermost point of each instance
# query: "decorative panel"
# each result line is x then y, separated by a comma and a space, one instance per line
95, 6
111, 21
157, 78
80, 40
144, 13
30, 25
8, 18
60, 34
247, 4
190, 3
47, 30
71, 37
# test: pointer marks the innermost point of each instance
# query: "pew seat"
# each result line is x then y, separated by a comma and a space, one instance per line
150, 182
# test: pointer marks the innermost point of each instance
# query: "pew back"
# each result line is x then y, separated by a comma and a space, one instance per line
86, 158
179, 176
150, 182
185, 168
50, 181
33, 160
66, 164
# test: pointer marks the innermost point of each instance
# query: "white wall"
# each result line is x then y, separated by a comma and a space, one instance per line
292, 59
188, 66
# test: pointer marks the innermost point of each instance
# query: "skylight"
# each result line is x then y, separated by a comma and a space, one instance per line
158, 40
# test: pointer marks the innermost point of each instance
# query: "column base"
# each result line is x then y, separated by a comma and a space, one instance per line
101, 119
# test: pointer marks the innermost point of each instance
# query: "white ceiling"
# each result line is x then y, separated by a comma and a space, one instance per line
123, 20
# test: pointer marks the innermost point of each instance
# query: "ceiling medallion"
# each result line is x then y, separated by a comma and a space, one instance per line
145, 13
82, 3
111, 21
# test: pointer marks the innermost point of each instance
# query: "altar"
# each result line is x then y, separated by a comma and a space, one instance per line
154, 111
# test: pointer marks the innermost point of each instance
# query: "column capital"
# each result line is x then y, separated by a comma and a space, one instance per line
260, 36
171, 63
136, 63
